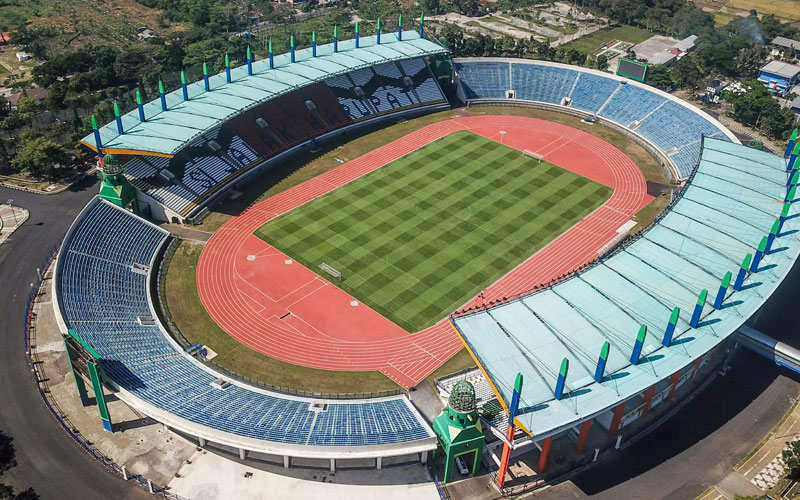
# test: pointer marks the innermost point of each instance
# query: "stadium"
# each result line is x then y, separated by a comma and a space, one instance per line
539, 247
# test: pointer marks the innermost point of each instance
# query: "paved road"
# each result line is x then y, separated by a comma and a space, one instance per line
699, 445
48, 459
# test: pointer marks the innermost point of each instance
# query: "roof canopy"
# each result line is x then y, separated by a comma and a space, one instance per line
731, 202
166, 132
783, 69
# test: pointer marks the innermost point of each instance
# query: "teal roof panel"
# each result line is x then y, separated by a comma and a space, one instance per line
730, 203
166, 132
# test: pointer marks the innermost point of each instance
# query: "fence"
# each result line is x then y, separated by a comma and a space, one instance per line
44, 390
162, 309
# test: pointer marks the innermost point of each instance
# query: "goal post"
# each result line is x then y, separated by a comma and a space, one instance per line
332, 271
532, 154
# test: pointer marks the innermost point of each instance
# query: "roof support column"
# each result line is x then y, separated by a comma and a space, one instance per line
313, 44
201, 441
291, 48
335, 38
379, 31
698, 308
582, 435
723, 289
183, 86
737, 285
648, 399
619, 411
118, 119
333, 465
562, 379
673, 321
205, 77
249, 61
286, 461
400, 27
512, 413
378, 463
271, 57
784, 214
140, 106
773, 233
242, 453
421, 22
97, 142
99, 397
423, 457
793, 156
637, 346
548, 441
789, 146
161, 95
227, 68
358, 44
759, 254
599, 372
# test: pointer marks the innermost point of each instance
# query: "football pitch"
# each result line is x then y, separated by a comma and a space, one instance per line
417, 238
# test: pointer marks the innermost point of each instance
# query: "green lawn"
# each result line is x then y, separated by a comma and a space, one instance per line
419, 237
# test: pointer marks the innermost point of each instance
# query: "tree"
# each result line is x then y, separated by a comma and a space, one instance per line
791, 457
41, 157
659, 77
602, 62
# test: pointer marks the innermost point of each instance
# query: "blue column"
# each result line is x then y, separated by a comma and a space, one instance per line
784, 216
271, 57
737, 285
162, 96
97, 142
118, 119
637, 346
773, 233
792, 178
183, 86
793, 156
789, 146
313, 44
249, 61
205, 77
140, 106
759, 254
335, 39
358, 44
379, 31
421, 22
599, 371
227, 69
291, 47
562, 379
791, 194
400, 27
698, 308
723, 289
670, 331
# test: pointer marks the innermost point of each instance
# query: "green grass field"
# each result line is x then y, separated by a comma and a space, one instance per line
419, 237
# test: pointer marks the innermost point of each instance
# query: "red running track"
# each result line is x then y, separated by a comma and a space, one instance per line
286, 311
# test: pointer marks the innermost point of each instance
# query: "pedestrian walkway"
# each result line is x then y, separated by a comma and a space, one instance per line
11, 218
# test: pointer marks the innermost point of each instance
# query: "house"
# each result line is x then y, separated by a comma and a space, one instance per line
778, 76
23, 56
37, 94
795, 106
782, 45
684, 46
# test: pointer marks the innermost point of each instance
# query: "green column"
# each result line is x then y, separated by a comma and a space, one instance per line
78, 379
97, 385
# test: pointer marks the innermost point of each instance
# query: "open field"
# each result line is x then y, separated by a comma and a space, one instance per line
594, 41
424, 234
194, 322
786, 9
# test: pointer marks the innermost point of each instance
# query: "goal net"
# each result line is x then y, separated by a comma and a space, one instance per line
331, 270
532, 154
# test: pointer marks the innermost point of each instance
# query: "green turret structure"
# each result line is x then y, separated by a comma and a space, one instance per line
115, 187
459, 430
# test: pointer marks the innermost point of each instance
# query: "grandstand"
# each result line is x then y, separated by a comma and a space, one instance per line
669, 126
188, 152
703, 244
101, 288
